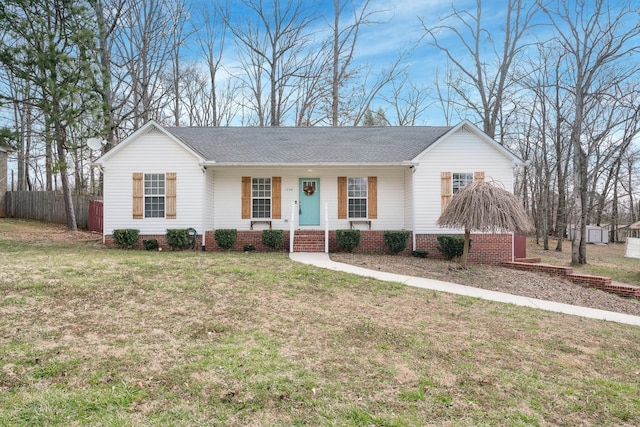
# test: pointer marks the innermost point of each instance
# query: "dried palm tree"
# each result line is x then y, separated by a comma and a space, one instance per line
484, 207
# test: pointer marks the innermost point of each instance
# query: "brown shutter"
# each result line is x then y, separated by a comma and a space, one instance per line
478, 176
276, 197
138, 195
171, 195
342, 197
447, 189
372, 193
246, 197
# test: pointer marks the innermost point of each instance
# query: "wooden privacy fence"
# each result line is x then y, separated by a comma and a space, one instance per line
46, 206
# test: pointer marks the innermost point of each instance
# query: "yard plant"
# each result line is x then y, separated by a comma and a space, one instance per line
396, 240
273, 239
348, 240
126, 237
93, 336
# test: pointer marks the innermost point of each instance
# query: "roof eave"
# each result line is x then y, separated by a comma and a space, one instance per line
308, 164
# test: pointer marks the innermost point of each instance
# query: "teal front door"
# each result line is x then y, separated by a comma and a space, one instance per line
309, 201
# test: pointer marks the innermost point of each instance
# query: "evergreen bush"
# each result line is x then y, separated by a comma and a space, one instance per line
273, 239
178, 238
150, 244
420, 254
126, 237
451, 246
226, 237
396, 241
348, 240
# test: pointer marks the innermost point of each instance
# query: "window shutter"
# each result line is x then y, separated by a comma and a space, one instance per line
246, 197
447, 189
478, 176
276, 197
171, 195
372, 193
138, 196
342, 197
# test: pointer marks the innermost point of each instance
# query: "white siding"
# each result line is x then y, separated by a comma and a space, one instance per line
408, 198
462, 151
228, 204
152, 152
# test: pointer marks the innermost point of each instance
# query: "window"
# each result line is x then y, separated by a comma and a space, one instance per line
461, 180
357, 197
154, 195
261, 197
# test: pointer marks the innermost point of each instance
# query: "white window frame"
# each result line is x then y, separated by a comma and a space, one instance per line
352, 196
459, 180
261, 190
154, 191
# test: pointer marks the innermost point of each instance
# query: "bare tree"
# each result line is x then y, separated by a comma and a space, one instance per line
598, 40
143, 44
485, 207
408, 101
211, 39
272, 42
482, 83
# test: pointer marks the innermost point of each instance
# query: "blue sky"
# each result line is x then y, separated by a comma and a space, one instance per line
399, 30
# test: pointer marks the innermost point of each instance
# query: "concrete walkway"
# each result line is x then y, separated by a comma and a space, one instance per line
322, 260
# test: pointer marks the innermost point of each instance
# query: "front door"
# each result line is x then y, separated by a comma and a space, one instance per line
309, 201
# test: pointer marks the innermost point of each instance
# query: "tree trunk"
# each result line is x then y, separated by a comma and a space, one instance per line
465, 249
64, 179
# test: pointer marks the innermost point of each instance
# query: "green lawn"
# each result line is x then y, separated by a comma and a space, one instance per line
95, 336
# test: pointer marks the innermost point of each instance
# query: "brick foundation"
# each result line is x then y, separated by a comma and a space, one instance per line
485, 248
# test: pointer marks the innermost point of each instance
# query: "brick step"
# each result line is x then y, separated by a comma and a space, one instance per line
308, 241
308, 247
528, 260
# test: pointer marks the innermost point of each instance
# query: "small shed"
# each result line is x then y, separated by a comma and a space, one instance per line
595, 234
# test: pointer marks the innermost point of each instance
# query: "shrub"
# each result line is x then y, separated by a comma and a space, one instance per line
226, 237
150, 244
178, 238
452, 246
248, 248
396, 241
126, 237
273, 239
348, 240
420, 254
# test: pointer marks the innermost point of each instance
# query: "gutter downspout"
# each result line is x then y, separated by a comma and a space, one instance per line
413, 206
204, 208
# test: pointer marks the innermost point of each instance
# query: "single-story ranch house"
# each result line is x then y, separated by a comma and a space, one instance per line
307, 181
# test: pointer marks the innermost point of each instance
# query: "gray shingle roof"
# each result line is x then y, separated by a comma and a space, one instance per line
308, 145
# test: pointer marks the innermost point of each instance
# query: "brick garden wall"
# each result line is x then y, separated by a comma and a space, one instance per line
485, 248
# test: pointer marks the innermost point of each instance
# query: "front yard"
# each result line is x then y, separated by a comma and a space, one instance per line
99, 336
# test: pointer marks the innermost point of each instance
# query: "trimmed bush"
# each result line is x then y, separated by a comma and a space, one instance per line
226, 237
451, 246
420, 254
248, 248
273, 239
126, 237
150, 244
348, 240
396, 241
177, 238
